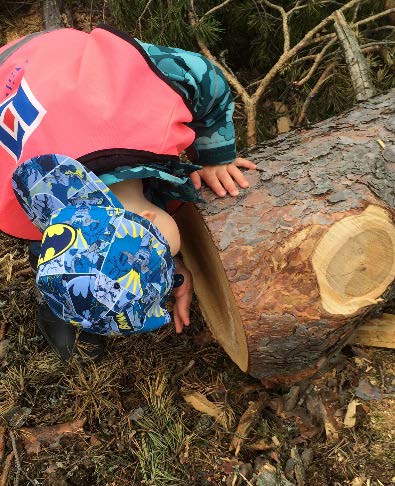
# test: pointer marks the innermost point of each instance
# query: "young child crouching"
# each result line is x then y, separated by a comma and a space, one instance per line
120, 112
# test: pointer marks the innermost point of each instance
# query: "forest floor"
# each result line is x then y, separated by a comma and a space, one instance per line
127, 421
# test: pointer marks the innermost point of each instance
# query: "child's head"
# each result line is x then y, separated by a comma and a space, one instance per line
102, 266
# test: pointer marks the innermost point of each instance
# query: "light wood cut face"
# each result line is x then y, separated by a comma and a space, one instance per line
354, 261
211, 285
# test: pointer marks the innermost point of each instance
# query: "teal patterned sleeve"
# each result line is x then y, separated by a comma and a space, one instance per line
208, 96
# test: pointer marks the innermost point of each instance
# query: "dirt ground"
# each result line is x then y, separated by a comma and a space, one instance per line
127, 421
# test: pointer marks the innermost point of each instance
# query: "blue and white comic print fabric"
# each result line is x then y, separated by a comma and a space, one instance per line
101, 267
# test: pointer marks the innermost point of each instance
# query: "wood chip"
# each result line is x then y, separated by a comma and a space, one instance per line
247, 421
200, 403
35, 437
260, 445
351, 414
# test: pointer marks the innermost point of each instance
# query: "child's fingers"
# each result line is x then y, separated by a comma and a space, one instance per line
247, 164
238, 176
181, 312
177, 322
228, 183
213, 182
196, 179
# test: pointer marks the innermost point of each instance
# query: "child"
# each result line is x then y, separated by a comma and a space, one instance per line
125, 110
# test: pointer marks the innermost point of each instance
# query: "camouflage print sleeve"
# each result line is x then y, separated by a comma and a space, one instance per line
209, 98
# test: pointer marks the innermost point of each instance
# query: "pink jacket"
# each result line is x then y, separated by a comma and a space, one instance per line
74, 93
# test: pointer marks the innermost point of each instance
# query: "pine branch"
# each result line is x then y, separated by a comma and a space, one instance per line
374, 17
326, 74
287, 56
318, 58
284, 16
251, 101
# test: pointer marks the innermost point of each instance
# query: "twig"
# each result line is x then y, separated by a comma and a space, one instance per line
212, 10
317, 61
378, 43
2, 442
2, 330
183, 372
322, 79
251, 101
147, 5
374, 17
6, 469
284, 16
18, 462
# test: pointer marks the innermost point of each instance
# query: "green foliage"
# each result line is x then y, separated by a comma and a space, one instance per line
247, 37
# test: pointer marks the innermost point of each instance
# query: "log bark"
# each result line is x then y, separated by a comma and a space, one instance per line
287, 270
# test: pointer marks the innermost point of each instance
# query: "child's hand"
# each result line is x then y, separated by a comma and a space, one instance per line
221, 178
183, 296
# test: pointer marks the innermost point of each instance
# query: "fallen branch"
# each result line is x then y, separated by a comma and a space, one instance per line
212, 10
356, 63
247, 421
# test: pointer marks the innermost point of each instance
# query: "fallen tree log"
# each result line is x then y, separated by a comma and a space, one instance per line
287, 270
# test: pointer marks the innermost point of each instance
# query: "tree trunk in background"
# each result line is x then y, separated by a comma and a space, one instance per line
287, 270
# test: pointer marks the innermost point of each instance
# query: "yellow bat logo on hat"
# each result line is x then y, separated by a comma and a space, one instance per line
57, 239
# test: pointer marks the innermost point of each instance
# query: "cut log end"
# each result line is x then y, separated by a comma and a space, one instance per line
354, 261
216, 299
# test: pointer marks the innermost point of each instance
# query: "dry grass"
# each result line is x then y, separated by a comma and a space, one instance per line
139, 430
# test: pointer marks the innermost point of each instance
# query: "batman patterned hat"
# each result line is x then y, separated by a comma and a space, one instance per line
101, 267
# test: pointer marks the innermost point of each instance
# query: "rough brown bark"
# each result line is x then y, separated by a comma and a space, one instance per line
286, 271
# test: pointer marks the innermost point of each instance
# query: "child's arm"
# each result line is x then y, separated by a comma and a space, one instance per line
210, 101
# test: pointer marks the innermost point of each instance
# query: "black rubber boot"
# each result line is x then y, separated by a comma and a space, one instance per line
65, 339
